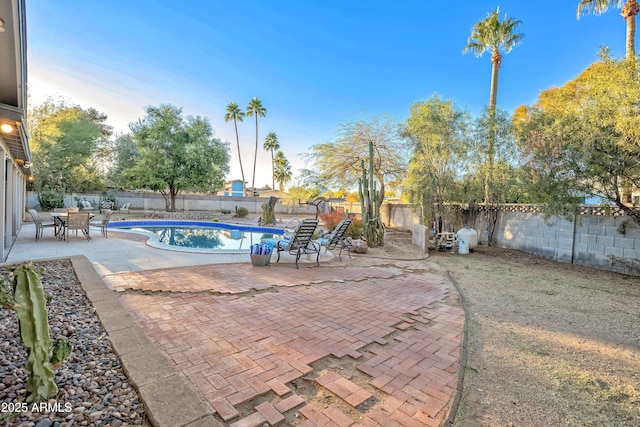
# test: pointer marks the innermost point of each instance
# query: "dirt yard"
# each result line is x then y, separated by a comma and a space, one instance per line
549, 344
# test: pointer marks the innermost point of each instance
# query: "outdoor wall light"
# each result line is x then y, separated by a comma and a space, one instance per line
1, 26
6, 128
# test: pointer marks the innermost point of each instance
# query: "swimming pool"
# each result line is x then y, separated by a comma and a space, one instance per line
197, 236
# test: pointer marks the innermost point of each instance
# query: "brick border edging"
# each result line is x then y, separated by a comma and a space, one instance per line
167, 397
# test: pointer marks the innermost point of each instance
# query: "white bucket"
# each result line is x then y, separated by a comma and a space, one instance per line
463, 247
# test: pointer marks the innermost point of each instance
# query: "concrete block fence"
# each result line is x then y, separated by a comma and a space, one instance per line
184, 203
597, 238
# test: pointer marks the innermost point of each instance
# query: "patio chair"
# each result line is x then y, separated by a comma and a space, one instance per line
301, 243
103, 223
337, 238
125, 207
41, 225
106, 205
77, 221
87, 206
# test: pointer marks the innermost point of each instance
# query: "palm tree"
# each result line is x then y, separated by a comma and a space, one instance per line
235, 113
255, 108
271, 143
491, 34
282, 170
629, 12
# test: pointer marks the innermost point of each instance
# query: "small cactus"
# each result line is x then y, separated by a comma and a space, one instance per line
6, 298
62, 348
31, 310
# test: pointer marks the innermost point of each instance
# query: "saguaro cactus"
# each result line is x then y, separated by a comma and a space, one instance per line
370, 197
31, 309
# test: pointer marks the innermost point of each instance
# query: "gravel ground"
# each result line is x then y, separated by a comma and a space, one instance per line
93, 389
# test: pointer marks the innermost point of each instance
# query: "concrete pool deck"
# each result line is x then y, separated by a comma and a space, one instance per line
366, 341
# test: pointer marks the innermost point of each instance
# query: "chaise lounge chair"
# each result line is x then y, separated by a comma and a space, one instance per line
337, 238
301, 243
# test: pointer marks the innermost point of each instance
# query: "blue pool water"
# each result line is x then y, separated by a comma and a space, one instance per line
198, 236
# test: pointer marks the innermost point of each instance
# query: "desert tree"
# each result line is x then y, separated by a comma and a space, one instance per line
255, 108
235, 113
272, 144
176, 154
493, 35
630, 9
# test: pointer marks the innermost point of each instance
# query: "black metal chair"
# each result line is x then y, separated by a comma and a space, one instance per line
337, 237
301, 243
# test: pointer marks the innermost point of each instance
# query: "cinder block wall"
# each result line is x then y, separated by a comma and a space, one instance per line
597, 240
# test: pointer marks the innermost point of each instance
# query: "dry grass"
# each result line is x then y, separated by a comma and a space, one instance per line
550, 344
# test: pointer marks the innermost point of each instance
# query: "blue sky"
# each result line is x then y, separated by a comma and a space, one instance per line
313, 64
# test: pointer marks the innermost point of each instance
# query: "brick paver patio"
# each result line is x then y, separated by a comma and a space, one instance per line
343, 344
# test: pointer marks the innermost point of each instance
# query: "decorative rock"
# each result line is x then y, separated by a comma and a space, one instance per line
87, 380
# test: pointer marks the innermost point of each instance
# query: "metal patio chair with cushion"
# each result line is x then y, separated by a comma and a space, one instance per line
301, 243
77, 221
41, 225
103, 223
337, 238
87, 206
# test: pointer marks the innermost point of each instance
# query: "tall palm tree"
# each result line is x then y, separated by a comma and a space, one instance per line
236, 114
255, 108
271, 143
629, 12
282, 170
491, 34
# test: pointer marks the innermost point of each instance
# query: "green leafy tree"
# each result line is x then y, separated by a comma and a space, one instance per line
236, 114
629, 12
437, 131
493, 35
271, 143
506, 180
256, 109
177, 154
124, 154
65, 141
589, 144
337, 163
282, 170
300, 195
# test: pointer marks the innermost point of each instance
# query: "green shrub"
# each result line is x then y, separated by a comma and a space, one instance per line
242, 212
225, 211
50, 199
355, 229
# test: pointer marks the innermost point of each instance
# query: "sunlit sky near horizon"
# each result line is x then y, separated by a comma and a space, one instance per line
312, 64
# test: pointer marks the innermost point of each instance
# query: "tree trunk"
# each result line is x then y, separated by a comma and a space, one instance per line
239, 156
496, 59
273, 172
629, 13
255, 160
173, 193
